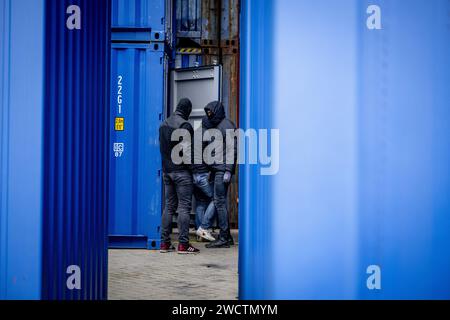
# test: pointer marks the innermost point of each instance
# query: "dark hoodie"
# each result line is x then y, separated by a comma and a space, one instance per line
178, 120
199, 165
184, 109
219, 121
218, 115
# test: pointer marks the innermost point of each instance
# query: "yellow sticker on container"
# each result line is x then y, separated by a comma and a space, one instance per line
120, 124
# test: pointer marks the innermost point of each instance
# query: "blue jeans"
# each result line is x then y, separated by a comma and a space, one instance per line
204, 192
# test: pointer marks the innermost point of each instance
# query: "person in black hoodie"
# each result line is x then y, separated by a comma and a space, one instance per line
203, 184
178, 185
222, 170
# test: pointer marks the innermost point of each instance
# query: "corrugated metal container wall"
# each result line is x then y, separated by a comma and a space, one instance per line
188, 18
230, 48
210, 24
138, 75
137, 79
76, 150
229, 26
54, 149
198, 29
138, 14
364, 158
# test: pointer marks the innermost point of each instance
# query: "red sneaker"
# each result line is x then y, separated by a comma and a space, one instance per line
187, 249
166, 248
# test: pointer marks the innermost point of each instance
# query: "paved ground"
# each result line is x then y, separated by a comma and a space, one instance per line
148, 275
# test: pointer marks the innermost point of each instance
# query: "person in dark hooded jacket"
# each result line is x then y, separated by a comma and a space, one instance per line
222, 168
205, 210
178, 186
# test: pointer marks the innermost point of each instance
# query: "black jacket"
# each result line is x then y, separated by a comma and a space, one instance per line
178, 120
199, 165
221, 123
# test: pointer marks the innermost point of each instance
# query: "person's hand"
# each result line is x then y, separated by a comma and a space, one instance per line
227, 177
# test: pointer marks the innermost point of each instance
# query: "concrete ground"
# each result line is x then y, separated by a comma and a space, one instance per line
150, 275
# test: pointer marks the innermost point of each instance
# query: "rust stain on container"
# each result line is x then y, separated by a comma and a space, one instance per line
230, 21
230, 60
210, 23
230, 64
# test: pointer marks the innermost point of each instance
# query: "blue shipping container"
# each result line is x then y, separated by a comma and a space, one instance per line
137, 104
138, 96
54, 119
360, 205
138, 14
141, 20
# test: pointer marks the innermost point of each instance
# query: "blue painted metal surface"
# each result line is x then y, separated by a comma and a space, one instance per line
404, 150
141, 20
21, 114
315, 191
137, 96
76, 150
255, 197
364, 150
54, 149
138, 14
137, 99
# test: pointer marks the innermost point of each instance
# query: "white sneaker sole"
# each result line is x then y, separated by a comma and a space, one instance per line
187, 252
203, 235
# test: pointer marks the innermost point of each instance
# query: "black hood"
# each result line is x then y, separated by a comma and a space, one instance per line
184, 108
218, 114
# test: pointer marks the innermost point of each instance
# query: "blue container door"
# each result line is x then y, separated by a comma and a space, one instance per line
137, 101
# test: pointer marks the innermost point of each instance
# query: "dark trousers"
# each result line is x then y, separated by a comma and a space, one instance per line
178, 188
220, 202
